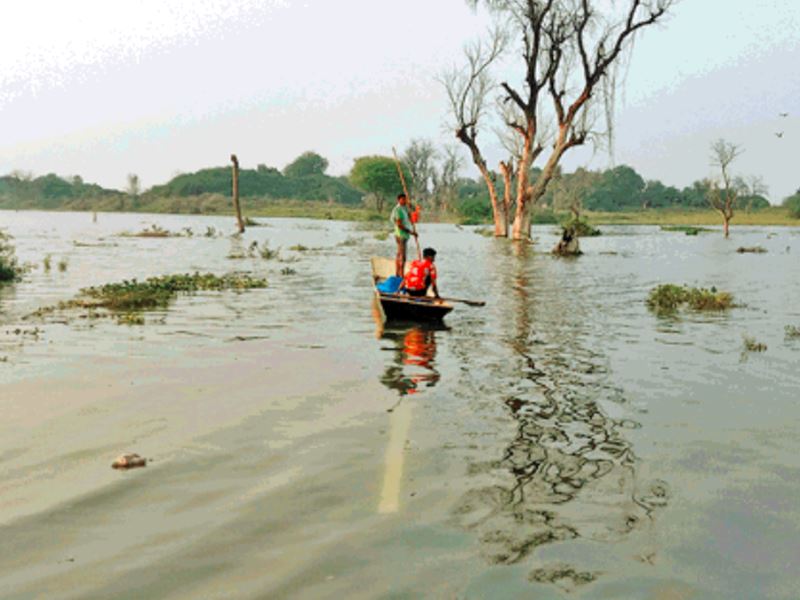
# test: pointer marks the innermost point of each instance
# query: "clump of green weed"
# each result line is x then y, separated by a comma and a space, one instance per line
288, 271
157, 292
9, 267
751, 249
669, 297
687, 229
130, 319
62, 265
577, 227
298, 248
47, 263
484, 231
792, 332
268, 253
751, 345
382, 236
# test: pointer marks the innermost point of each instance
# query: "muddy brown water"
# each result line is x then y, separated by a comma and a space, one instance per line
563, 441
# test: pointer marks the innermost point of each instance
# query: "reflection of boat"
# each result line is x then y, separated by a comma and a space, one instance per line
400, 307
414, 355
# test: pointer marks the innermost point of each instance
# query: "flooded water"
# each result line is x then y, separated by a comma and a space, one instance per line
562, 441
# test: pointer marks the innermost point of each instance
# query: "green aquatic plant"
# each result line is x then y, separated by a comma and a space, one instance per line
9, 267
669, 297
157, 292
267, 253
47, 263
577, 227
751, 345
792, 332
381, 236
687, 229
288, 271
62, 265
298, 248
130, 319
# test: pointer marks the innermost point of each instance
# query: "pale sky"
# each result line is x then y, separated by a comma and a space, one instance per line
155, 87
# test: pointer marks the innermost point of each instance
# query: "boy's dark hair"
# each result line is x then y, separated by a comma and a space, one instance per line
401, 195
429, 252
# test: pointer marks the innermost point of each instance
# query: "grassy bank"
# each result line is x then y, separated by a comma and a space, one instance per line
265, 207
776, 215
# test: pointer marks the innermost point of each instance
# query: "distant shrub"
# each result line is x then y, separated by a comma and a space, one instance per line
793, 204
669, 297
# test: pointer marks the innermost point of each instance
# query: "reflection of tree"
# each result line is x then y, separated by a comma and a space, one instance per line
413, 361
569, 472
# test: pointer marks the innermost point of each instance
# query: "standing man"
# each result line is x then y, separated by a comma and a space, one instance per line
403, 230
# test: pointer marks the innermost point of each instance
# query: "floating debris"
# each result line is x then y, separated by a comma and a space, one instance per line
751, 249
129, 461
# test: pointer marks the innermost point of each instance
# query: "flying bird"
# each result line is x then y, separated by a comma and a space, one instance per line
779, 134
784, 114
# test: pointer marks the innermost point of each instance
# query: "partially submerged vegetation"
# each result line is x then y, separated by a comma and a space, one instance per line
686, 229
10, 270
669, 297
792, 332
579, 227
126, 298
751, 250
255, 250
752, 345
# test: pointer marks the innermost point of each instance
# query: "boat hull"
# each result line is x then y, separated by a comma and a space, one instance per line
399, 308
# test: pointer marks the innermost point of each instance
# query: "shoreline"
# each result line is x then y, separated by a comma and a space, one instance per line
773, 216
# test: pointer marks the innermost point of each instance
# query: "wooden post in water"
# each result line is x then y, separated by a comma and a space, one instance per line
236, 206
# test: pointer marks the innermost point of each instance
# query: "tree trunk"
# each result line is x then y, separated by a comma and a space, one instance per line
506, 169
500, 228
726, 225
236, 206
477, 158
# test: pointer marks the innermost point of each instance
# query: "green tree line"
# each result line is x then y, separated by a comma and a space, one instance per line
372, 182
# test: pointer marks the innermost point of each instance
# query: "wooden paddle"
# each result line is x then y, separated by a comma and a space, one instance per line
408, 198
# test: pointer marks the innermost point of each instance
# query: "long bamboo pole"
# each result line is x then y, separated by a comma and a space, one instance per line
405, 191
236, 206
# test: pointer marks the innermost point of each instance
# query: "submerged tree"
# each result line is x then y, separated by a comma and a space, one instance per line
724, 191
571, 51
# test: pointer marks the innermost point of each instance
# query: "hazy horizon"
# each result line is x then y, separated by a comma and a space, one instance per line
166, 87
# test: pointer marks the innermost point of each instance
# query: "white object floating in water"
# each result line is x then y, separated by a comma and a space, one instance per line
129, 461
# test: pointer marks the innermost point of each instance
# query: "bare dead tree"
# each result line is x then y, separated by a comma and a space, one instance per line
570, 50
467, 91
445, 180
419, 158
724, 191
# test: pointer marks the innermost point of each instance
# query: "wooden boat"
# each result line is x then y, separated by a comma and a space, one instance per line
401, 307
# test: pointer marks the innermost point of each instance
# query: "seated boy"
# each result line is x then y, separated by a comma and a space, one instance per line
422, 275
